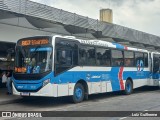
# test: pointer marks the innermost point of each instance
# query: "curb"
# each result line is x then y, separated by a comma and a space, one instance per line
9, 101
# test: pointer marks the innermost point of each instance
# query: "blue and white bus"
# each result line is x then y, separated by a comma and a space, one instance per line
54, 66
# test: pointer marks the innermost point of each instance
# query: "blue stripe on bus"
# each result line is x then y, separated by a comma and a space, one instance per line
119, 46
41, 49
98, 76
89, 76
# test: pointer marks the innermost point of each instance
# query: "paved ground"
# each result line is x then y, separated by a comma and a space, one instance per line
144, 99
6, 99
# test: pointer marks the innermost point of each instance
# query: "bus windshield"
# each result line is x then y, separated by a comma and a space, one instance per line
32, 60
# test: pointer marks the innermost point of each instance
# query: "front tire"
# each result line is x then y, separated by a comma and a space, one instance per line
128, 87
78, 94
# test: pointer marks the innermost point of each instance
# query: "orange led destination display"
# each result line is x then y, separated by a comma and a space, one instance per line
34, 42
20, 69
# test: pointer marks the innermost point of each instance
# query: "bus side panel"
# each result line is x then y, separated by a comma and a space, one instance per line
115, 79
99, 80
139, 78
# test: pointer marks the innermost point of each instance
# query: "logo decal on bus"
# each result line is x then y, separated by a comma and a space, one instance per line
140, 65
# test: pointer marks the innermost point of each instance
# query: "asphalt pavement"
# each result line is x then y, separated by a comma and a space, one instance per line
143, 99
7, 99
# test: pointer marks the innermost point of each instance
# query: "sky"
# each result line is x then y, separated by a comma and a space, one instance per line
142, 15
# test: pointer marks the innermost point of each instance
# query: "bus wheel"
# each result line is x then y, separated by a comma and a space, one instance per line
78, 94
128, 87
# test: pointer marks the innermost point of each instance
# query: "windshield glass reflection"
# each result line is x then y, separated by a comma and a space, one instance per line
33, 60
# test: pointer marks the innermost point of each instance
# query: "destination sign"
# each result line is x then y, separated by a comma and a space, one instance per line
34, 42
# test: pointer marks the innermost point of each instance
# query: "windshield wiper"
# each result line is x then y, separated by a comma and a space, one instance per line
23, 51
35, 52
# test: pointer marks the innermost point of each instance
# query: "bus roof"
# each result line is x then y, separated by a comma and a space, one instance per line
95, 42
102, 43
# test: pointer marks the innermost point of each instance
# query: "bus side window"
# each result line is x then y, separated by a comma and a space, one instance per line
117, 58
82, 56
145, 59
87, 56
66, 55
91, 56
156, 64
139, 57
128, 58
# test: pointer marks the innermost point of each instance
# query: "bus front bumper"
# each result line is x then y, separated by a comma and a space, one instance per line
49, 90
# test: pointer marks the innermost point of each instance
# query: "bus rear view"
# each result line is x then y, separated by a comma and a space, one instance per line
33, 66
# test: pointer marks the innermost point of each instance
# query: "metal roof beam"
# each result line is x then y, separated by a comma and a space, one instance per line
84, 24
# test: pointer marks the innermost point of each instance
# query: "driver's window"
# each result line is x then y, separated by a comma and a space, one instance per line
64, 57
63, 60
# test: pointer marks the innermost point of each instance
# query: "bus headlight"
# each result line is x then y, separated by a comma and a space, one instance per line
46, 82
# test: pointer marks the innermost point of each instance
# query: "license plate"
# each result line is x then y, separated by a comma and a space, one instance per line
25, 94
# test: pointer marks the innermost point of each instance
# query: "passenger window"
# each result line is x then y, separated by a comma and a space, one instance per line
117, 58
128, 59
103, 57
139, 60
145, 59
156, 62
87, 56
